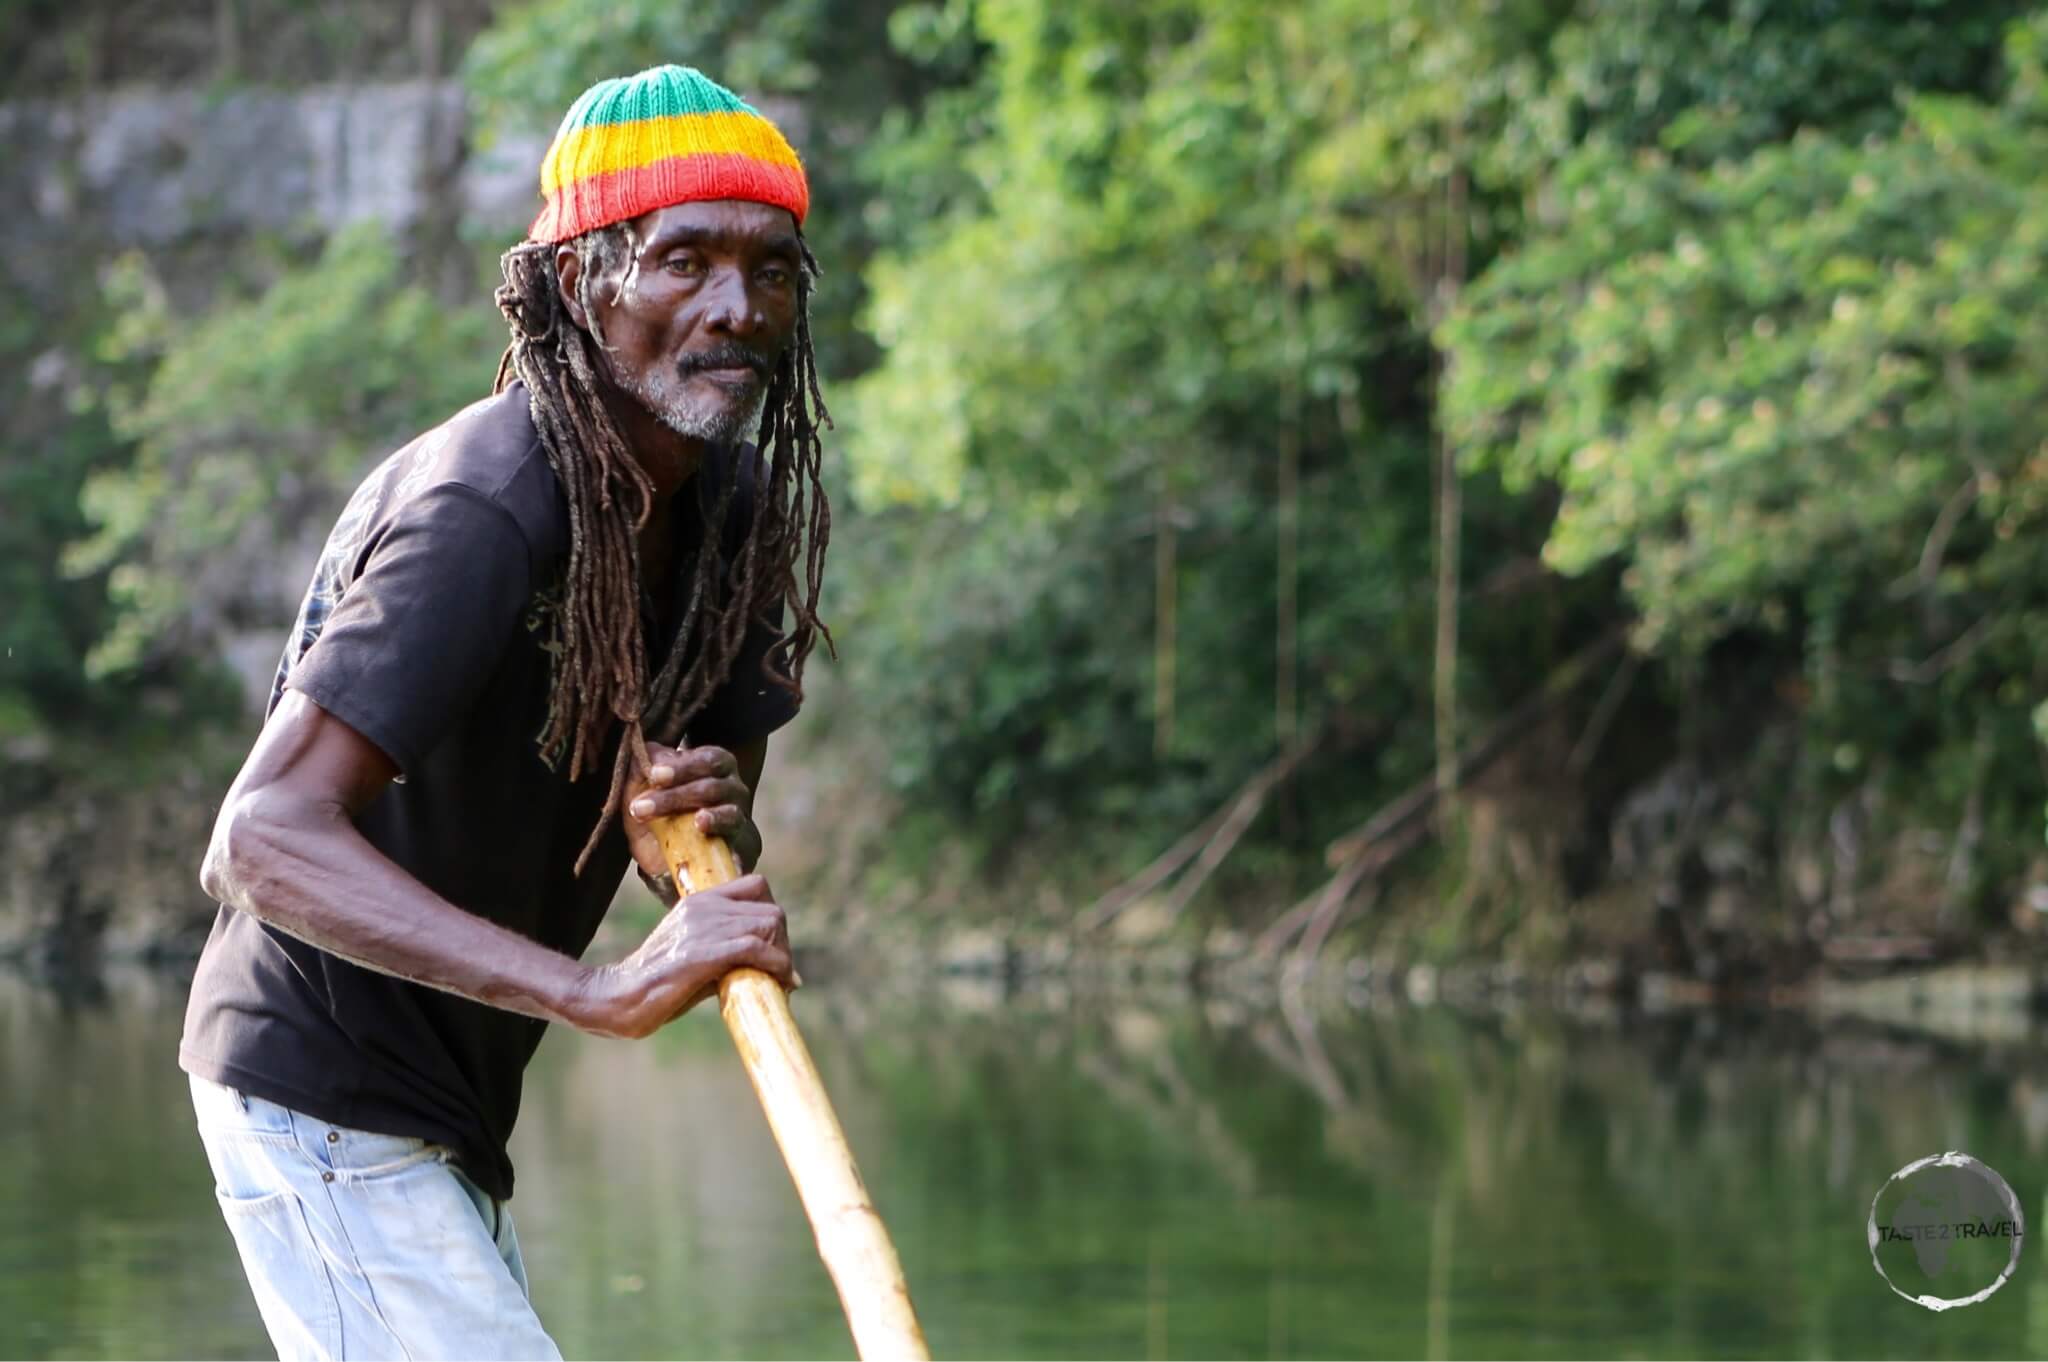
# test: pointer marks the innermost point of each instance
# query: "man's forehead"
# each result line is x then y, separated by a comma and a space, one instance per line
737, 223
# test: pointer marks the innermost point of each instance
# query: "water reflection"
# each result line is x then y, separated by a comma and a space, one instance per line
1069, 1176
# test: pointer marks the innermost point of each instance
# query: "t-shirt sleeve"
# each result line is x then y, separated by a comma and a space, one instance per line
423, 625
750, 705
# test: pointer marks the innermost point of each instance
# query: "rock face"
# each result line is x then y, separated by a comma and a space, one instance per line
154, 167
86, 879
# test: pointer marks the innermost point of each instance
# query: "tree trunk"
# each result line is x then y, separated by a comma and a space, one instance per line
1449, 502
1165, 616
1286, 589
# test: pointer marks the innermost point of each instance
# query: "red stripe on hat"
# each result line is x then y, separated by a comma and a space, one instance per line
600, 200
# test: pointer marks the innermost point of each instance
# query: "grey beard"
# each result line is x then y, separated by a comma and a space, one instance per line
718, 427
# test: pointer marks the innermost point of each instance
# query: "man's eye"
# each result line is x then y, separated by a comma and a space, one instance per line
775, 275
683, 264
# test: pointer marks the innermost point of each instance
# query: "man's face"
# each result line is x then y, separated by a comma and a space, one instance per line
698, 313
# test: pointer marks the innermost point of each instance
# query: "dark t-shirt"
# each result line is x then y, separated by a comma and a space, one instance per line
427, 629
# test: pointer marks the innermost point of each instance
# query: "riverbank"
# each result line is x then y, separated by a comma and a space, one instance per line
1887, 982
1960, 1000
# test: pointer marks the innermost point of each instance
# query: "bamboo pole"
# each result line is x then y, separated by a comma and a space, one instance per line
851, 1237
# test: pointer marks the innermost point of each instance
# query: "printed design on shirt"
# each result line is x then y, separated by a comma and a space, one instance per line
337, 559
544, 621
401, 476
544, 616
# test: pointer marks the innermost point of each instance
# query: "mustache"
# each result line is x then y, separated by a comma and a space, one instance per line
728, 356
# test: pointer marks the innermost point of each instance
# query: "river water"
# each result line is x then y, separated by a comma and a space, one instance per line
1070, 1176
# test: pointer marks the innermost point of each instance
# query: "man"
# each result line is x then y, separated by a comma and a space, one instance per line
514, 624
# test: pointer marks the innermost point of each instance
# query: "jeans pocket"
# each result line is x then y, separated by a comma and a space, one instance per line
233, 1208
287, 1275
252, 1168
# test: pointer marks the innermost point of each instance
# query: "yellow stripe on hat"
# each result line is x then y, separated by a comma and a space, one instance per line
608, 147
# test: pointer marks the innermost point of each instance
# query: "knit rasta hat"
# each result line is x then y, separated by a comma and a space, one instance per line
668, 135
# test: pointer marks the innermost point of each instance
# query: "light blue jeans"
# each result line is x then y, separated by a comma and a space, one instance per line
364, 1246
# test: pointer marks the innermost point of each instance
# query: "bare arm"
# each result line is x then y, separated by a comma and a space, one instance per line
286, 850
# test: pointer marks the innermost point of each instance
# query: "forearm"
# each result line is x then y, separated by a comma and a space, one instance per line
302, 867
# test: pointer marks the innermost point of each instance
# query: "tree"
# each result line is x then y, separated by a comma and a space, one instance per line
242, 450
1800, 391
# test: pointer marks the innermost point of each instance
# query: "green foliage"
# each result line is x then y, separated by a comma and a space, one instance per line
53, 437
1761, 311
1800, 390
531, 64
1113, 323
252, 419
1705, 79
50, 620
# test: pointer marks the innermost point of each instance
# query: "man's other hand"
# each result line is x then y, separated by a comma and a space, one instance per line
684, 781
679, 965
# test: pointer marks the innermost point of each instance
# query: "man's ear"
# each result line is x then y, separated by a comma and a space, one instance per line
568, 271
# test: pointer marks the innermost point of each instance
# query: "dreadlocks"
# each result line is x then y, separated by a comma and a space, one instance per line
600, 670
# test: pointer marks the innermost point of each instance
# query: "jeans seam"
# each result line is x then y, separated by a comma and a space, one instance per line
249, 1205
333, 1320
355, 1260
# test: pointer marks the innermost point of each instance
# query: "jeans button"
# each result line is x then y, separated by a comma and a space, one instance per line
327, 1177
334, 1137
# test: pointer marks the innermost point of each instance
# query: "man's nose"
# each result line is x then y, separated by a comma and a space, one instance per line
730, 306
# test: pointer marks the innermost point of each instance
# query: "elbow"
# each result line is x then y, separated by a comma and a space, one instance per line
249, 838
213, 868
